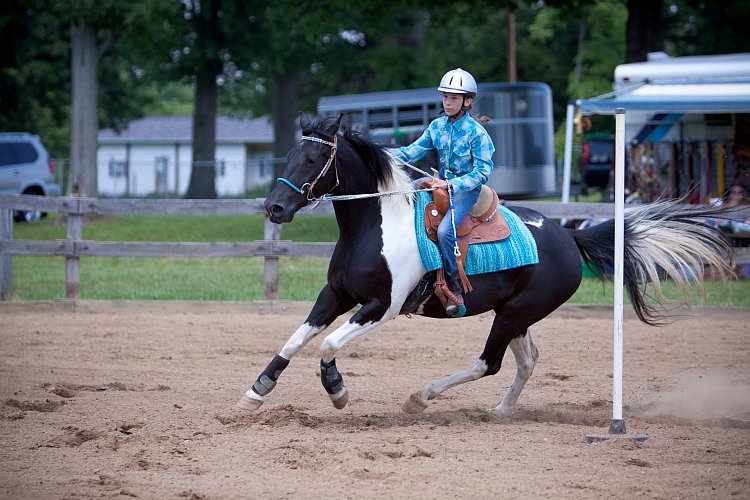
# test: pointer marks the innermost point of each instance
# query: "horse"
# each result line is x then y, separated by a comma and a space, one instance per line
376, 263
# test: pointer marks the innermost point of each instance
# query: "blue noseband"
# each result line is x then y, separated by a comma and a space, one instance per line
308, 186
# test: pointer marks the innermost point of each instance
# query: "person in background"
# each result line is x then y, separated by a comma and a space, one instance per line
736, 196
649, 182
739, 229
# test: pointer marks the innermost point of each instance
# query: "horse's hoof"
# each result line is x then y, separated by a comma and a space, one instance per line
340, 398
500, 411
415, 404
251, 401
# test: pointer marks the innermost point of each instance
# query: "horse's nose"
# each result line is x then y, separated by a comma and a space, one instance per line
275, 211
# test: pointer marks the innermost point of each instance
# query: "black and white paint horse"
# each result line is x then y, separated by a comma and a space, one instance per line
376, 263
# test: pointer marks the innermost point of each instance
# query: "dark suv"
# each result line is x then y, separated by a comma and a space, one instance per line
26, 168
597, 161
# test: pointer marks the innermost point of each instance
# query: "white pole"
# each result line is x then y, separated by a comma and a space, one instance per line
568, 154
617, 425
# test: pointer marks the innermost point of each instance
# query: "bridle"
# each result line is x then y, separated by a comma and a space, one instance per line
307, 188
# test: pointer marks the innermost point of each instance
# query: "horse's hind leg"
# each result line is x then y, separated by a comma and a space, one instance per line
419, 400
526, 354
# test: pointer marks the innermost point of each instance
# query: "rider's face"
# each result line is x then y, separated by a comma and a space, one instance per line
452, 103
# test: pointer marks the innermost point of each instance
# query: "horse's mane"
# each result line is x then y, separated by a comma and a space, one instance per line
387, 168
374, 155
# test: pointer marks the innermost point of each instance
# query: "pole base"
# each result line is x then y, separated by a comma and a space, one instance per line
616, 430
596, 439
617, 426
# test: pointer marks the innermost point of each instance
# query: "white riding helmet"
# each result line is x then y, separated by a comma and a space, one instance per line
458, 81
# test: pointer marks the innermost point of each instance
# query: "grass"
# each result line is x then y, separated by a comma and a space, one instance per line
231, 279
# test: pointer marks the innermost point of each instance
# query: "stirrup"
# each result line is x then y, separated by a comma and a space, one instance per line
454, 308
455, 311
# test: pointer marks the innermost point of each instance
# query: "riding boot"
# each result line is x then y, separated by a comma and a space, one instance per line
455, 306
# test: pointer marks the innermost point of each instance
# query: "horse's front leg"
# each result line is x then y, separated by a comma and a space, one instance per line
370, 316
327, 308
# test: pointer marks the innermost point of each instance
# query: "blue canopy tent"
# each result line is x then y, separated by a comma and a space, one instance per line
661, 104
670, 97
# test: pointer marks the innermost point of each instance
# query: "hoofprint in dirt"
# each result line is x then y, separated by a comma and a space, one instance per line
140, 402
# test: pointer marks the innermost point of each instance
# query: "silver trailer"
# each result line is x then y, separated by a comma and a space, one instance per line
521, 128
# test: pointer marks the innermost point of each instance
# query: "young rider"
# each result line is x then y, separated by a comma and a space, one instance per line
465, 151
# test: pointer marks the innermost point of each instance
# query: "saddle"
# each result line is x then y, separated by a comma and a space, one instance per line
484, 224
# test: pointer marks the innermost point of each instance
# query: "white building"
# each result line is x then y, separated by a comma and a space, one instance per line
153, 156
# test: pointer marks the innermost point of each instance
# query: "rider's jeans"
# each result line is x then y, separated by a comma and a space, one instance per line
462, 203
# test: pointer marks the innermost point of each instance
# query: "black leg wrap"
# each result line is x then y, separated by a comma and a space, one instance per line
330, 377
267, 380
492, 368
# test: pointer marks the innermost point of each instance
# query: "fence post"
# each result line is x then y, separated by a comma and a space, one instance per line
72, 264
271, 232
6, 261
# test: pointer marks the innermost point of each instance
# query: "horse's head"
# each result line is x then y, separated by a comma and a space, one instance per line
311, 169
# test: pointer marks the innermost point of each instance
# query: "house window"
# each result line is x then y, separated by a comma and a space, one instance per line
161, 166
118, 168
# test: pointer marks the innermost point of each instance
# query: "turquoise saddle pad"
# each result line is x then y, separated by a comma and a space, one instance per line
519, 249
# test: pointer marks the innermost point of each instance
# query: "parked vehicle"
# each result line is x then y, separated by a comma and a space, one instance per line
26, 168
597, 161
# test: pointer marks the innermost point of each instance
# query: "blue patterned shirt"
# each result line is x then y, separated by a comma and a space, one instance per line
464, 148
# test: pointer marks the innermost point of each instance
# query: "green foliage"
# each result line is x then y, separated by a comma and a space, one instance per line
696, 27
169, 99
602, 52
333, 47
34, 73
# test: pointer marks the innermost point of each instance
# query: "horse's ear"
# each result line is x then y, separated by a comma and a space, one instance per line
331, 125
304, 121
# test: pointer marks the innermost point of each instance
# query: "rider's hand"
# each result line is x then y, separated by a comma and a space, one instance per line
440, 184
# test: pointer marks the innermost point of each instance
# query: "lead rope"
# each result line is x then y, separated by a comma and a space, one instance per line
456, 250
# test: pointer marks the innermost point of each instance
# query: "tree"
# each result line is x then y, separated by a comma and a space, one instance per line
642, 32
85, 54
696, 27
323, 52
35, 74
206, 43
57, 54
95, 27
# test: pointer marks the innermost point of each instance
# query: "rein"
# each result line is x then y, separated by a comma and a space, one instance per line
307, 188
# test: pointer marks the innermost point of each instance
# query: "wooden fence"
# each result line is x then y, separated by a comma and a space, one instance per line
271, 248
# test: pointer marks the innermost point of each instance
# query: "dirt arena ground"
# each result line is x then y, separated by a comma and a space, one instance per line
138, 400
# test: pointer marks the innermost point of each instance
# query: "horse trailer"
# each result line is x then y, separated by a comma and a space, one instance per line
521, 128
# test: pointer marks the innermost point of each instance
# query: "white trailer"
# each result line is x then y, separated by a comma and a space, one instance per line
686, 115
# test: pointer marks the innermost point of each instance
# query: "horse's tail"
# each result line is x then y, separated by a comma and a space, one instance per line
662, 240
